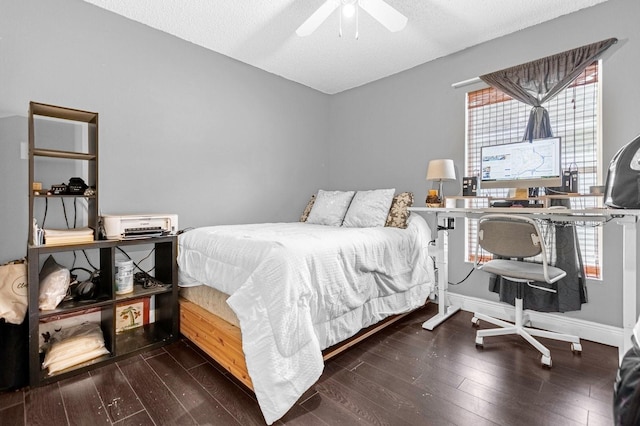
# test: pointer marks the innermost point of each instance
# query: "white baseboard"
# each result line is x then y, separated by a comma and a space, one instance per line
599, 333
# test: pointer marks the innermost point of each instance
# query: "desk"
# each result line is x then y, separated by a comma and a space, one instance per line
625, 218
473, 201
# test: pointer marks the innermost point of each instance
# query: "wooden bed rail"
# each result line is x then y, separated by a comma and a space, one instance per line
223, 341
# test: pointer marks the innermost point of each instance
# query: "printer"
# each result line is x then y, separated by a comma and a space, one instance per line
118, 227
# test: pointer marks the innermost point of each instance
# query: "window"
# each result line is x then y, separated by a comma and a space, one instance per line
494, 118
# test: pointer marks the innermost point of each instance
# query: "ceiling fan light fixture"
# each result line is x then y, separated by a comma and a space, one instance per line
382, 12
349, 9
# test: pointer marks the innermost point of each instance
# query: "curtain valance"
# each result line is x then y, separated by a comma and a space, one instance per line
538, 81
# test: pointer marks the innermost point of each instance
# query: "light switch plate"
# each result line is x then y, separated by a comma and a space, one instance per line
24, 151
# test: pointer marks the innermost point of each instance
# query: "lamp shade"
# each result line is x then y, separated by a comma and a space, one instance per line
440, 170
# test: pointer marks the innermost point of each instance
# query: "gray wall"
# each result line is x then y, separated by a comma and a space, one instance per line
182, 129
384, 133
13, 191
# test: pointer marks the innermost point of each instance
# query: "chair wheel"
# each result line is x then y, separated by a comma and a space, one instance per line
479, 341
576, 348
546, 361
475, 322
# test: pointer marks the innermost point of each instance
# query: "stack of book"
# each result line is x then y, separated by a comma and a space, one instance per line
67, 236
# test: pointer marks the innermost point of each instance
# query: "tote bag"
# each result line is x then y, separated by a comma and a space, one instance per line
13, 291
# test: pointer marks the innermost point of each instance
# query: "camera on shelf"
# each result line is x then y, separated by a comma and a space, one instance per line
76, 186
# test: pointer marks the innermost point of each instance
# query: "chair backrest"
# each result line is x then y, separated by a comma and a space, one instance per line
510, 236
515, 236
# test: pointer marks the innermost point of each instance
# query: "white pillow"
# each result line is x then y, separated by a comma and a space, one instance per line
330, 207
73, 346
369, 208
54, 282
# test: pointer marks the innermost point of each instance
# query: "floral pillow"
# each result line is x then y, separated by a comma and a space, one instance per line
399, 213
307, 210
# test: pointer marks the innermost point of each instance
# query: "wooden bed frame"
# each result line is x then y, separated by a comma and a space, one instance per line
223, 341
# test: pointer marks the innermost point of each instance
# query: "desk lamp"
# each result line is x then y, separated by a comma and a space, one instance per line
441, 170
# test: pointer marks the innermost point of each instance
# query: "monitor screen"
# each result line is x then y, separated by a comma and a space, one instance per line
522, 164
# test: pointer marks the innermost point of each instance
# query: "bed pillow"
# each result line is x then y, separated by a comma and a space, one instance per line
307, 210
330, 207
399, 213
369, 209
73, 346
54, 282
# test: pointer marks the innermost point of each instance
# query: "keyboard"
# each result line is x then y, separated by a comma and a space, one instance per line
516, 203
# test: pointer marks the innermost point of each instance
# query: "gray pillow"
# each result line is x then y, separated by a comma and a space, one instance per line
330, 207
369, 208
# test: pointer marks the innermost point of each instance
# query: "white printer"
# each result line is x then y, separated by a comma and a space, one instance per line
118, 227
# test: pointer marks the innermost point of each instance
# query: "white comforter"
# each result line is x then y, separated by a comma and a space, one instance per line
298, 288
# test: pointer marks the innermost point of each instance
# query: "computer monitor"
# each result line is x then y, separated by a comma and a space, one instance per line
522, 164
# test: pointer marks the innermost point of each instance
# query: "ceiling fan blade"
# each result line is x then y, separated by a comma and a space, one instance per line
389, 17
317, 18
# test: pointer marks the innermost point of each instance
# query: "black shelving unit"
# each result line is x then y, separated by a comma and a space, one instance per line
165, 327
163, 330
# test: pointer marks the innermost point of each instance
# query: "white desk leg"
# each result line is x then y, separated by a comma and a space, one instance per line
442, 261
629, 260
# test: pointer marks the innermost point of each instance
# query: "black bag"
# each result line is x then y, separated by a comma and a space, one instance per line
14, 355
622, 190
626, 391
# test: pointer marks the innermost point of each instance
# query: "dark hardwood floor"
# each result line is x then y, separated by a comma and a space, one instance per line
404, 375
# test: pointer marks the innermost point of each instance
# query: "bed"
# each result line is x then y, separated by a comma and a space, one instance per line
264, 300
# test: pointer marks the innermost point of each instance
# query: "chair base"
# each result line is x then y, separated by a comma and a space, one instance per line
527, 333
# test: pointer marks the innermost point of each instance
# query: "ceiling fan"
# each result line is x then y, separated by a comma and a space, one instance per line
381, 11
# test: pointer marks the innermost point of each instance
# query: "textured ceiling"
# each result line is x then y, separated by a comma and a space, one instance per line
262, 33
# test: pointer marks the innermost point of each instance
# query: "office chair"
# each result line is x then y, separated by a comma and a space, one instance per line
514, 237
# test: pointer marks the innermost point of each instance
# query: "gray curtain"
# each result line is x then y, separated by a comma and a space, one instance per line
534, 83
538, 81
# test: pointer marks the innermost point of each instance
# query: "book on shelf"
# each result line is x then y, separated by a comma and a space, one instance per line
68, 236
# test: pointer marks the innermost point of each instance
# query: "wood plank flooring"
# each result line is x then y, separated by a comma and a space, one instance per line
404, 375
